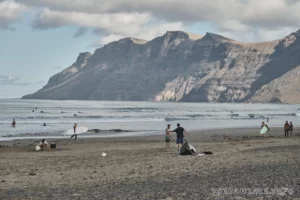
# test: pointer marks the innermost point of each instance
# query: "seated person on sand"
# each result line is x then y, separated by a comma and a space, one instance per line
43, 144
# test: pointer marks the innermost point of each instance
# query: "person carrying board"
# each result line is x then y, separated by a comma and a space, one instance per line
262, 127
74, 127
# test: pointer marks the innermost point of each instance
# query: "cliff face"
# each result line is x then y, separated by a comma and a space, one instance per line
179, 66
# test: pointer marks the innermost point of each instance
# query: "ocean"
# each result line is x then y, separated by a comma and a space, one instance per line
133, 118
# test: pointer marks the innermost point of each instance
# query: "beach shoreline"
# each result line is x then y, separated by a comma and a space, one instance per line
141, 168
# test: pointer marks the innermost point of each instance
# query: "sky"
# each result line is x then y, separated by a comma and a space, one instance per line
39, 38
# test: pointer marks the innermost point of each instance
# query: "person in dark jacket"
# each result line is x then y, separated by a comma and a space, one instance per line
180, 132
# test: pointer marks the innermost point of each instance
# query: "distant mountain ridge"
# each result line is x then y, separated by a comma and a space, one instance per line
181, 66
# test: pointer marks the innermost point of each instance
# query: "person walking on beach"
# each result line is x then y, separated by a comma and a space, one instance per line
168, 137
180, 132
13, 124
74, 127
286, 129
291, 129
263, 124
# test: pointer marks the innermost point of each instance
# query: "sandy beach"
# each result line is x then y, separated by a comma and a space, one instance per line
244, 165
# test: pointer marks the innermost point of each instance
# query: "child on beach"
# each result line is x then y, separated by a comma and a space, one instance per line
43, 144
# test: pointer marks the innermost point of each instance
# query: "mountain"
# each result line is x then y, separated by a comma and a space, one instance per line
181, 66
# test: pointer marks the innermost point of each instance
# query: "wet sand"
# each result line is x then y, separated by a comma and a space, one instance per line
257, 167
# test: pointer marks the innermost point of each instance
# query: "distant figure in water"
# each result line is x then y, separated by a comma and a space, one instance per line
13, 124
42, 111
32, 110
44, 124
267, 119
286, 129
74, 127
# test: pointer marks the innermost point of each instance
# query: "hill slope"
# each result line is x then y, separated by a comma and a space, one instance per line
180, 66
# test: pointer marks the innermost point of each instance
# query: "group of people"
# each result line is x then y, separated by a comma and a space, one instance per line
180, 133
288, 129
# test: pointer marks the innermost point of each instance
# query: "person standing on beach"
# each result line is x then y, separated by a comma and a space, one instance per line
13, 124
180, 132
291, 129
286, 129
74, 127
168, 137
263, 124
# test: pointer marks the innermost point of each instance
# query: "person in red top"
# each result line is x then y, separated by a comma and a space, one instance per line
286, 129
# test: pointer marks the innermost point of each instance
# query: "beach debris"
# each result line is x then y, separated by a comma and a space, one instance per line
103, 154
3, 181
32, 173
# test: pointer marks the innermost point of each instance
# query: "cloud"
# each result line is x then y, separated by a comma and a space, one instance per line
129, 18
122, 23
10, 80
80, 32
10, 12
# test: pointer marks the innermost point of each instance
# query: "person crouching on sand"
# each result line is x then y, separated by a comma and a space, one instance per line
43, 144
168, 137
74, 127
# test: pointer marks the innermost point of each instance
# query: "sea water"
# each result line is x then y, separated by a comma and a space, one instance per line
136, 118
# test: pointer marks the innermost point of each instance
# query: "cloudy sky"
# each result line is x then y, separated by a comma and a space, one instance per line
39, 38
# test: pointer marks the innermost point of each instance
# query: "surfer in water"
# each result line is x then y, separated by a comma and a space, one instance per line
74, 127
286, 129
168, 137
13, 124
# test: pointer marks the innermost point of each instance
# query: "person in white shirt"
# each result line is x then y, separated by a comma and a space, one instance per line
43, 144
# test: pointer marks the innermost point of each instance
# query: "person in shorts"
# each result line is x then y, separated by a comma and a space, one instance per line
168, 137
180, 132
